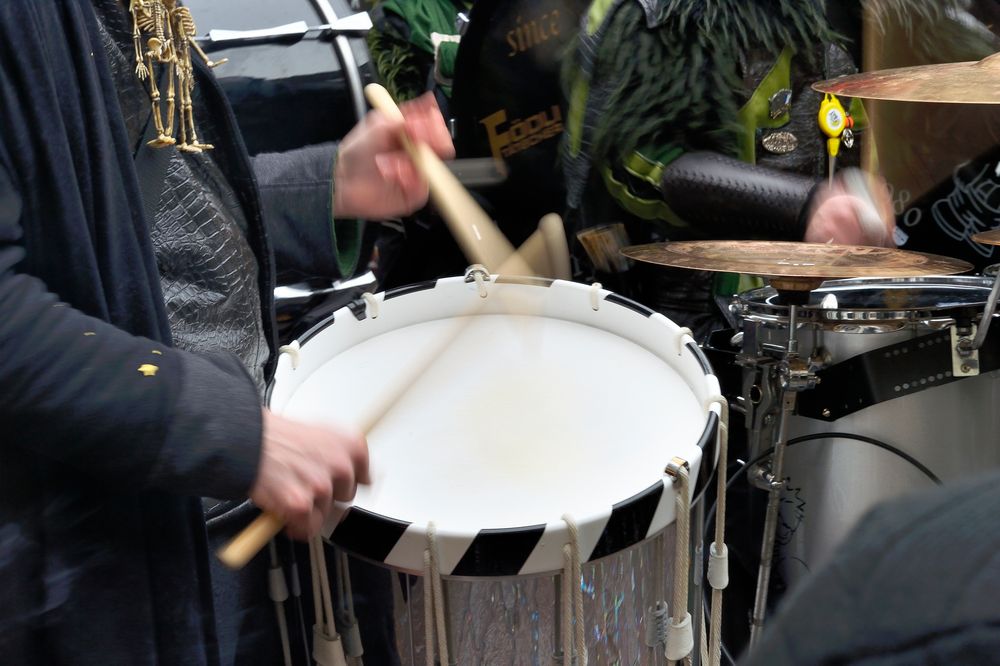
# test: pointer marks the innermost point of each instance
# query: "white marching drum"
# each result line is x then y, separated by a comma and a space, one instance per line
882, 350
545, 425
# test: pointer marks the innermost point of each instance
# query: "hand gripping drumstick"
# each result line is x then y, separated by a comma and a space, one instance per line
482, 242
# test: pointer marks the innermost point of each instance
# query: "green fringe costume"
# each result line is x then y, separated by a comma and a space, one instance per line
401, 47
651, 79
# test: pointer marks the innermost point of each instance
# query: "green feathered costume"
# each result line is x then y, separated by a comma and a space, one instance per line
652, 79
403, 50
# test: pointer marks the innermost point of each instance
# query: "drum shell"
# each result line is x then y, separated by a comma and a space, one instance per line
831, 483
515, 620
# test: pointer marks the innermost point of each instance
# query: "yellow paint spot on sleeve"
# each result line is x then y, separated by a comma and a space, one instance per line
158, 352
89, 333
148, 369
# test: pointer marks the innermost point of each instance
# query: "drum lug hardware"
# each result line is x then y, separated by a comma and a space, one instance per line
674, 466
964, 357
762, 478
796, 375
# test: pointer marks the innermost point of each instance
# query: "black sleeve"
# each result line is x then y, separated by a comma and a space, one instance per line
727, 198
125, 410
297, 198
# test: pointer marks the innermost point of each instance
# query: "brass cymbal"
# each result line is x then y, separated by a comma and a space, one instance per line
988, 237
798, 266
976, 82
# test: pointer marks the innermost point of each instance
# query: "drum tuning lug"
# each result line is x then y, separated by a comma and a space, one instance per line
761, 477
964, 356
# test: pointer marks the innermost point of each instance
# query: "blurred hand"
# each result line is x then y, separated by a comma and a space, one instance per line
374, 177
304, 468
852, 212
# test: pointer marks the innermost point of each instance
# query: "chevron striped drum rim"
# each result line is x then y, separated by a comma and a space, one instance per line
650, 382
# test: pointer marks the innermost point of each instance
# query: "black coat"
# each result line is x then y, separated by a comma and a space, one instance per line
107, 434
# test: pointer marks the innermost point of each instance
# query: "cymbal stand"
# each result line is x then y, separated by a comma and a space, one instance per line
966, 343
792, 374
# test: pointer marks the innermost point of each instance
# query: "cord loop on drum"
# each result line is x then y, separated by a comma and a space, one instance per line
680, 634
371, 305
327, 648
574, 638
595, 296
294, 352
682, 333
718, 561
434, 610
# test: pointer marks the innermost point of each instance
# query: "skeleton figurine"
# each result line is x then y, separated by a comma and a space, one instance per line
169, 31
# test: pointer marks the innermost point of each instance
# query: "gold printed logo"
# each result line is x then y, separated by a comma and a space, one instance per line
526, 36
521, 134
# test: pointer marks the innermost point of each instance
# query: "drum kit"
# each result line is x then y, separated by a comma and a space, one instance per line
547, 468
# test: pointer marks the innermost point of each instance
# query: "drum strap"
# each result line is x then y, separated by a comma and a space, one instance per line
889, 372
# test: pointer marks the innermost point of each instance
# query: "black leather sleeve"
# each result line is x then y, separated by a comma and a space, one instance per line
725, 198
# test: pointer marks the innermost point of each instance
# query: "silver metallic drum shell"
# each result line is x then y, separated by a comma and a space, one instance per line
952, 428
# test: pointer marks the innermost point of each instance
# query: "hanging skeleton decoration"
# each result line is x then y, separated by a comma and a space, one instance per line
168, 31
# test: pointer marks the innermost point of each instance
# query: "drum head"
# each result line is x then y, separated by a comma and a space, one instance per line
540, 406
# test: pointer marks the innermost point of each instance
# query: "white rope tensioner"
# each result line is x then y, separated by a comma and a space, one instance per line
574, 638
371, 305
680, 634
327, 648
294, 353
434, 610
595, 296
718, 552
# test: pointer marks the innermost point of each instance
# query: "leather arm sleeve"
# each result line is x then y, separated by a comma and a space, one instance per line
725, 198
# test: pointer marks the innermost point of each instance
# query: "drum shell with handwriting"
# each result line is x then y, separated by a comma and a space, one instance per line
952, 426
552, 398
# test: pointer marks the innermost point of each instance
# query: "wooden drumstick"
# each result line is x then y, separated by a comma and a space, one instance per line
480, 239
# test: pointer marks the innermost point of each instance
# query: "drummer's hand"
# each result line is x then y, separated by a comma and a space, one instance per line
303, 468
374, 178
837, 216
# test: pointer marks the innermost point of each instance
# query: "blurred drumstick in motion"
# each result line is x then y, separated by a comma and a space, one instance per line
481, 241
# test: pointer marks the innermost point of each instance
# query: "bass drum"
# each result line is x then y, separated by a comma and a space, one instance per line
287, 92
507, 102
885, 370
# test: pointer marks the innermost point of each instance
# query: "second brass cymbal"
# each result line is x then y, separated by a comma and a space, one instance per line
795, 265
976, 82
988, 237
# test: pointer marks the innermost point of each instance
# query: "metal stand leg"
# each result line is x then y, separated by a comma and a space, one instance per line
795, 376
771, 519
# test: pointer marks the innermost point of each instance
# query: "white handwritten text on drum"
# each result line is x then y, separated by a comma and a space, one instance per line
971, 207
522, 134
528, 35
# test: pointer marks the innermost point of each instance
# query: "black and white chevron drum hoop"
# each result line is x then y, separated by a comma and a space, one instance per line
551, 398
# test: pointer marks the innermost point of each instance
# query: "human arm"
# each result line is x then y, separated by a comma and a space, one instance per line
726, 198
126, 411
312, 218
